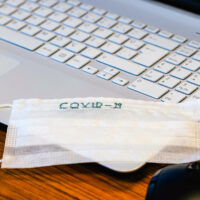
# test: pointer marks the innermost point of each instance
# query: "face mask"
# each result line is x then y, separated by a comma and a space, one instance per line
77, 130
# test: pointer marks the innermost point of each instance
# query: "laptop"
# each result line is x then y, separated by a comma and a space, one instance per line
136, 49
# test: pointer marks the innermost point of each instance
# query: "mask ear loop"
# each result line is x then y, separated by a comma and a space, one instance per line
5, 106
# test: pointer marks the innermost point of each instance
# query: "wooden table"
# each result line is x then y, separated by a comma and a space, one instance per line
73, 182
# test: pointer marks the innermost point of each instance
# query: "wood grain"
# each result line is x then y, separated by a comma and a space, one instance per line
73, 182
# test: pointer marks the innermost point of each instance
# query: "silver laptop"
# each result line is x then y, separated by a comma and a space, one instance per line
138, 49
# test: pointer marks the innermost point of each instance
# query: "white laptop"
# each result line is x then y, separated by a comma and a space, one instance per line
138, 49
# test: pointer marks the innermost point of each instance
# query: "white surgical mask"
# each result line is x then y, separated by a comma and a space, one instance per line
77, 130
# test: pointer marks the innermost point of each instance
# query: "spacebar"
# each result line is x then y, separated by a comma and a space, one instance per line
19, 39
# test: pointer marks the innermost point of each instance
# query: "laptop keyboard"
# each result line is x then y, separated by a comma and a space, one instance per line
166, 66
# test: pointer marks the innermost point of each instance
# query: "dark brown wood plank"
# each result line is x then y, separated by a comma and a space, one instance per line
73, 182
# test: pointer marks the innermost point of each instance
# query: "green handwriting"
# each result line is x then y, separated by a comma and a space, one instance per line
86, 105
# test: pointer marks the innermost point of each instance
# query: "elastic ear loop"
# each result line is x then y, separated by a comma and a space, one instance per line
5, 106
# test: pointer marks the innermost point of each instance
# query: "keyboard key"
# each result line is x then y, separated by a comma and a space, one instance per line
126, 53
76, 12
48, 3
47, 50
161, 42
72, 22
33, 0
173, 97
99, 11
149, 55
19, 39
64, 31
91, 53
35, 20
103, 33
45, 35
175, 59
165, 34
121, 64
29, 6
164, 67
7, 10
91, 18
137, 33
134, 44
124, 20
186, 88
111, 15
105, 75
4, 19
111, 70
121, 28
95, 42
152, 76
148, 88
60, 41
195, 96
30, 30
79, 36
152, 29
75, 47
77, 61
110, 47
49, 25
179, 38
57, 17
90, 70
186, 51
62, 7
15, 3
197, 56
192, 65
169, 82
180, 73
194, 44
194, 79
87, 27
86, 7
138, 24
106, 23
20, 15
120, 81
43, 12
62, 55
118, 38
74, 2
16, 25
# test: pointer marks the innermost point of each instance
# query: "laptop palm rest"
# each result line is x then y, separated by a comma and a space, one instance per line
7, 64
